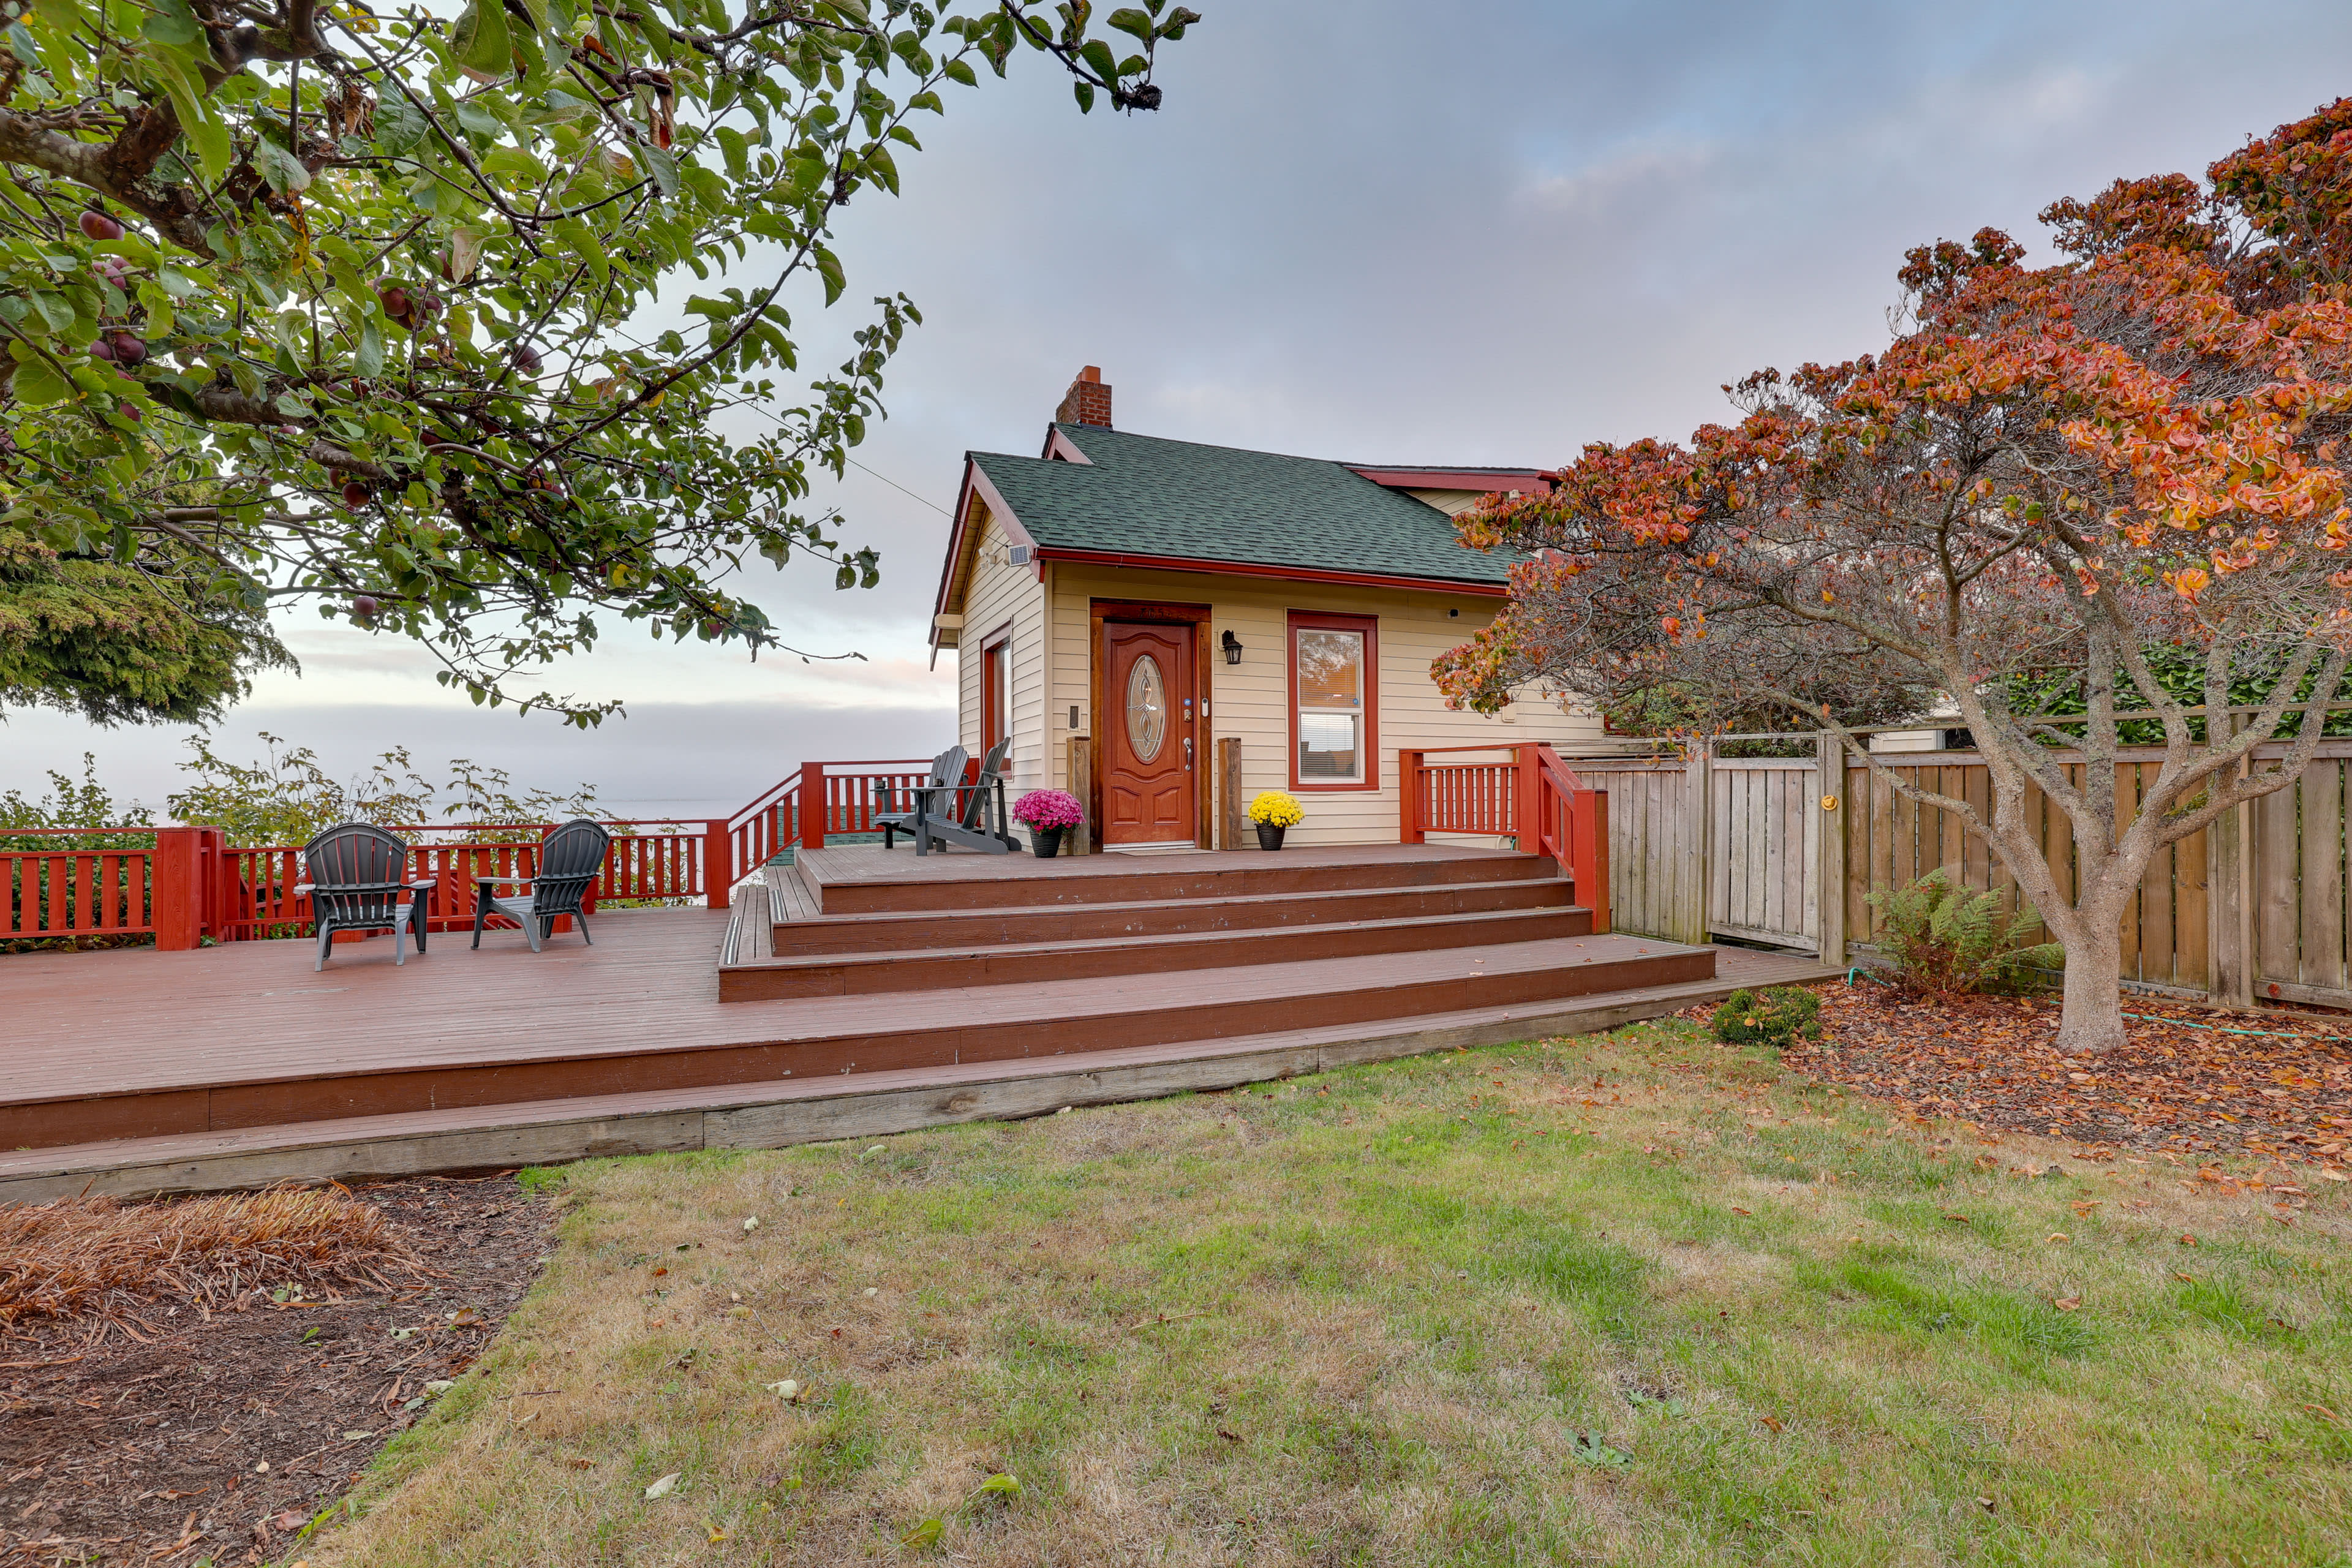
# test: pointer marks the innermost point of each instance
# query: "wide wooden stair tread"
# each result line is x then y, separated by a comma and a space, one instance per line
884, 962
799, 930
876, 882
868, 973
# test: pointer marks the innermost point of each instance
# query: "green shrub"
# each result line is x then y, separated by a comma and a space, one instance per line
1946, 940
1774, 1017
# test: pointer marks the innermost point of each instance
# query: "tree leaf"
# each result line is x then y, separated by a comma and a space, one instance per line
663, 165
284, 170
480, 41
172, 22
736, 149
206, 132
37, 384
399, 124
465, 252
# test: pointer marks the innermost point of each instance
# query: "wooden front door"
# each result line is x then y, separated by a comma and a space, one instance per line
1148, 742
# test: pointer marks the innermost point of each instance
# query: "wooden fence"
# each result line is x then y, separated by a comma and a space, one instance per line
1706, 845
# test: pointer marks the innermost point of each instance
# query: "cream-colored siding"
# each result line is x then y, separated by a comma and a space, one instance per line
1000, 594
1451, 503
1251, 699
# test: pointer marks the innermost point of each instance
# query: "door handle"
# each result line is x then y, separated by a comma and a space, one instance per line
1188, 751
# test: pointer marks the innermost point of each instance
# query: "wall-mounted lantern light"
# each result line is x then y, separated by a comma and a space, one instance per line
1233, 647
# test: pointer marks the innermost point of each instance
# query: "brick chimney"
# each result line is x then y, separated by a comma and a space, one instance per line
1087, 402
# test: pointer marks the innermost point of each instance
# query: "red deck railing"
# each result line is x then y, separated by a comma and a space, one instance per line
193, 883
77, 891
819, 799
190, 883
1532, 796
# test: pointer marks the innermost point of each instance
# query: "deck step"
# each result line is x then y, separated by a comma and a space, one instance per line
845, 884
459, 1062
934, 968
956, 929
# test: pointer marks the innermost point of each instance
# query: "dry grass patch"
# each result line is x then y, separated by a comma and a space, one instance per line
1631, 1299
97, 1258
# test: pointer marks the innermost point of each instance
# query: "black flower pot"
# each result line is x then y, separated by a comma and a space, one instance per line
1048, 841
1269, 835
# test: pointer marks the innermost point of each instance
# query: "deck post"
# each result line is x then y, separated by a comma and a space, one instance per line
1229, 786
813, 807
719, 867
178, 895
1409, 785
1693, 919
1081, 761
1588, 838
218, 915
1526, 803
1828, 872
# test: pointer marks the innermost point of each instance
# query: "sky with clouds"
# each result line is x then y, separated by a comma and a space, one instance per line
1362, 229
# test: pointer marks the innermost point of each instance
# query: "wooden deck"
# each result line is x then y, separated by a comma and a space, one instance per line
1178, 971
822, 1107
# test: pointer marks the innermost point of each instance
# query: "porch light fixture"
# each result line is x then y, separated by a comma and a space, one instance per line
1233, 647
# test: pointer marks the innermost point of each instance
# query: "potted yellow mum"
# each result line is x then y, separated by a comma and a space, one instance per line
1272, 811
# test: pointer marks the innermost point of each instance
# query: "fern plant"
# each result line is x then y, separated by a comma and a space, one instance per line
1946, 940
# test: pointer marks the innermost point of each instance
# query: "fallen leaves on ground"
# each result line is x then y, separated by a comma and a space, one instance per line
2191, 1079
217, 1426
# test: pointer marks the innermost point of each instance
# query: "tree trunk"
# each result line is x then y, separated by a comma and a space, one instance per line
2092, 1020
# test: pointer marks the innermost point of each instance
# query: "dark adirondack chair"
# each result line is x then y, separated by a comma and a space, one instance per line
568, 864
947, 811
359, 881
986, 791
931, 801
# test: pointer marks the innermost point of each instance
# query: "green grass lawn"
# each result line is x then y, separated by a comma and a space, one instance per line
1626, 1299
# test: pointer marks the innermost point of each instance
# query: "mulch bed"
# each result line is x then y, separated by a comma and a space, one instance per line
2192, 1081
222, 1438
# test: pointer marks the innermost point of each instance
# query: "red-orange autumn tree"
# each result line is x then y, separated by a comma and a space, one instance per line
2081, 475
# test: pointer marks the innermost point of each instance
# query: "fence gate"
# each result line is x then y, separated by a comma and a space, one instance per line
1764, 850
1714, 846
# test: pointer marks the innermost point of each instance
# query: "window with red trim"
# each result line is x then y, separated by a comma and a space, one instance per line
1334, 701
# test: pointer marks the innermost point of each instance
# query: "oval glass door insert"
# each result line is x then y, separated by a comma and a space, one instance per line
1147, 708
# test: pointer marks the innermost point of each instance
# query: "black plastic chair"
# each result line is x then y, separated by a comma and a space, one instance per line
568, 866
358, 882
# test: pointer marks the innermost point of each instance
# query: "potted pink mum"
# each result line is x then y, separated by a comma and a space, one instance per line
1048, 814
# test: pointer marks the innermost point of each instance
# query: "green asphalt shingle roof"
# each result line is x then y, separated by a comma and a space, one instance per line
1141, 495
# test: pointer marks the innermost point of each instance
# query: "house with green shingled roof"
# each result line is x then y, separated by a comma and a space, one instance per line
1167, 628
